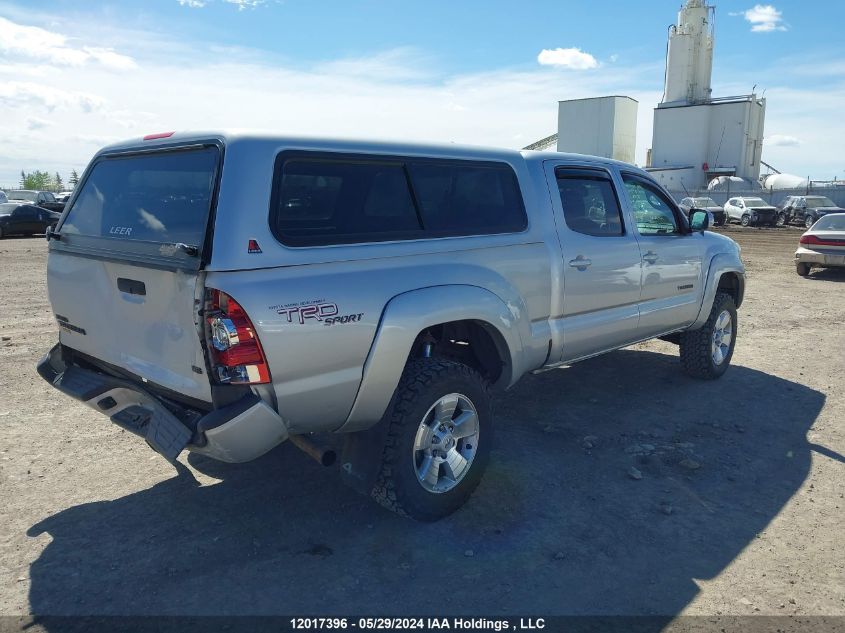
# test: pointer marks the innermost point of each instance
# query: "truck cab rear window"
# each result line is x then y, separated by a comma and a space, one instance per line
321, 199
162, 197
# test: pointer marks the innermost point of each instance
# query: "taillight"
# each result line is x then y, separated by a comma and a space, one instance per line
813, 240
236, 354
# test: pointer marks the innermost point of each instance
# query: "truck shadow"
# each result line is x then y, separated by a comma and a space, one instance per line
827, 274
558, 526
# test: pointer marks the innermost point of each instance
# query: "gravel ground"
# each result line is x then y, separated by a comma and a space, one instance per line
736, 508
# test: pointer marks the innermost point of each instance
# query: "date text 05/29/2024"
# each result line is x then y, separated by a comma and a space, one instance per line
424, 624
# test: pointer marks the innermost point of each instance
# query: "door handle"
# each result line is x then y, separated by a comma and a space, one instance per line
580, 262
650, 257
131, 286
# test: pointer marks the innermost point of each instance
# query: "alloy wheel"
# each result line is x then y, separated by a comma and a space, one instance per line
446, 443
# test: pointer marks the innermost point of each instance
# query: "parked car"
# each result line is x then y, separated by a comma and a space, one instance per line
688, 205
806, 209
44, 199
404, 284
25, 219
3, 197
750, 211
63, 196
822, 245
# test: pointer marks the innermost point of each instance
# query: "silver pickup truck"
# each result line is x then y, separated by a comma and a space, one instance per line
223, 293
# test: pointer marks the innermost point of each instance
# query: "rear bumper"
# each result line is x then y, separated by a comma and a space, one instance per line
239, 432
807, 256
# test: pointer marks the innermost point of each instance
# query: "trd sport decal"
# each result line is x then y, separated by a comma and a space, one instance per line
320, 310
253, 247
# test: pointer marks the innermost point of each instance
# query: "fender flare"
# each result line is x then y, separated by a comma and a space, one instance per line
408, 314
720, 264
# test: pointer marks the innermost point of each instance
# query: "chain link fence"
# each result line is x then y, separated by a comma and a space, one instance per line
772, 196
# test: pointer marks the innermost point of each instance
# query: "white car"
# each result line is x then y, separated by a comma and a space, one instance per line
822, 245
750, 211
3, 197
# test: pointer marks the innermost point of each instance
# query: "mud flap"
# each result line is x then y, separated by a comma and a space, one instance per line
361, 457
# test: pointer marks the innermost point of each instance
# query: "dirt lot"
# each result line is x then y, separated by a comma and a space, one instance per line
92, 522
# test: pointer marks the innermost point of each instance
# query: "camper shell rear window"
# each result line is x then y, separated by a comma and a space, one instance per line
322, 198
161, 198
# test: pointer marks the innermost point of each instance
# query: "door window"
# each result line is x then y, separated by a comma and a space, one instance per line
653, 212
589, 202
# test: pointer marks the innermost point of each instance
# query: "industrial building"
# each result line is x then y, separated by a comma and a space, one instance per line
600, 126
697, 137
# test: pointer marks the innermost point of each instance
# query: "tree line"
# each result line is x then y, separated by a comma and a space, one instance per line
45, 181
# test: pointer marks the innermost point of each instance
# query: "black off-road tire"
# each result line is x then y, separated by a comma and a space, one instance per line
424, 381
803, 268
781, 219
695, 346
809, 220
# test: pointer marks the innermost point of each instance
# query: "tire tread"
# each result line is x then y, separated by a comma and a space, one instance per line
418, 375
695, 344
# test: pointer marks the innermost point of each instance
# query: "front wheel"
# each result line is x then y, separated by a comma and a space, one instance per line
706, 353
745, 220
809, 220
781, 220
438, 440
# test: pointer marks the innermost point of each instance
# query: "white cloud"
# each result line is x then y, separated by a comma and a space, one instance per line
33, 42
34, 123
246, 4
781, 140
573, 58
27, 94
193, 4
107, 57
764, 18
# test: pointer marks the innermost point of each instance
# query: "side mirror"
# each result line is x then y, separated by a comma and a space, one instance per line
700, 220
52, 234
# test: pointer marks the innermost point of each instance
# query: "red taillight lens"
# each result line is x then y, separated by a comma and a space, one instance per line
813, 240
235, 350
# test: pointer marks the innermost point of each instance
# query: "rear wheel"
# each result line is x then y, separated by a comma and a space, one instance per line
706, 353
438, 442
745, 220
802, 268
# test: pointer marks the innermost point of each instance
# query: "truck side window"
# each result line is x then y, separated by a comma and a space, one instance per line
321, 198
467, 198
652, 211
589, 203
342, 201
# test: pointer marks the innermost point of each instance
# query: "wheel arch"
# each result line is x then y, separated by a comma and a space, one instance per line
727, 274
406, 322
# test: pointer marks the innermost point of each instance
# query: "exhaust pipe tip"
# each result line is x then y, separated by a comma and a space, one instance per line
321, 454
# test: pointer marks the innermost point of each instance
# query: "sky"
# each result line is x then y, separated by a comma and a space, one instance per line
75, 76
